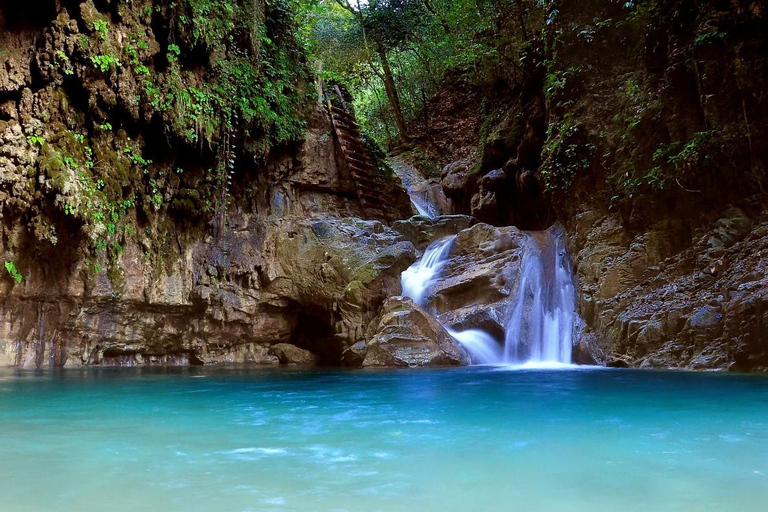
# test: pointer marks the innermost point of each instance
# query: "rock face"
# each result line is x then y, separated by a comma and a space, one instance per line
406, 335
143, 231
316, 283
476, 283
423, 231
649, 302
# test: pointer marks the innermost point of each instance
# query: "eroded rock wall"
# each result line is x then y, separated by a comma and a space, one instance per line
642, 127
164, 201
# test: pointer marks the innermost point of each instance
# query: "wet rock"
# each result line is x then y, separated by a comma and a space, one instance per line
661, 300
320, 281
291, 354
422, 231
354, 355
476, 283
407, 335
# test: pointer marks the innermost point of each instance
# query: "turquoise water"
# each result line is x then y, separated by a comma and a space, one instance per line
477, 438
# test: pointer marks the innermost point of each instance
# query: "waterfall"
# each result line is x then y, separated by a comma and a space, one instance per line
422, 274
423, 206
427, 198
480, 345
542, 314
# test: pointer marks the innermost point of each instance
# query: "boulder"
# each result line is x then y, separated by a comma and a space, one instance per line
422, 231
354, 355
408, 336
476, 283
291, 354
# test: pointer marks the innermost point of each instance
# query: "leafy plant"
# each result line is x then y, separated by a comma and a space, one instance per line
101, 27
36, 140
104, 62
566, 154
14, 273
173, 52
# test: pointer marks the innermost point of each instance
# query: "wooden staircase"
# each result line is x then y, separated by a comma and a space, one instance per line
380, 198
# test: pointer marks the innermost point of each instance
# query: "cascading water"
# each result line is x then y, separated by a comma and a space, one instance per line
480, 345
419, 276
423, 206
541, 318
542, 313
427, 198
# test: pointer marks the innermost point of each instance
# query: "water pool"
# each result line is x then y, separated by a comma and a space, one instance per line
477, 438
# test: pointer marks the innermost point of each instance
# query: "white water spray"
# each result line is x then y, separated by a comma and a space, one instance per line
539, 328
423, 206
541, 319
422, 274
480, 345
427, 198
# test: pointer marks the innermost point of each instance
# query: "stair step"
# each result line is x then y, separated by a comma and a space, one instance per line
346, 122
350, 146
362, 165
359, 159
352, 142
340, 111
367, 179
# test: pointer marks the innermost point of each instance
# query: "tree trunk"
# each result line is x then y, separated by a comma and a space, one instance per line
392, 96
438, 14
521, 18
383, 116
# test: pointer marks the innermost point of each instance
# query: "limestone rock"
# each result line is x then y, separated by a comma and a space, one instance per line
291, 354
354, 355
409, 336
476, 283
422, 231
656, 301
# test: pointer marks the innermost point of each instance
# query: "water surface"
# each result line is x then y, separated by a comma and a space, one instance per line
478, 438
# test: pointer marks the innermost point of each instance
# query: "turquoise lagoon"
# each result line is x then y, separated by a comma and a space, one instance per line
476, 438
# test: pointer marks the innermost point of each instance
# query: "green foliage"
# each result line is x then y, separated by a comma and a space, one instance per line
173, 53
566, 154
101, 28
36, 140
710, 37
554, 84
422, 40
10, 267
675, 161
254, 81
104, 62
679, 157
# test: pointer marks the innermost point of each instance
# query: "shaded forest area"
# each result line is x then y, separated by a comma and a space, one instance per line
639, 105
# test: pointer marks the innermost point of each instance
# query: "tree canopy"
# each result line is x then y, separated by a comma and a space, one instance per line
392, 54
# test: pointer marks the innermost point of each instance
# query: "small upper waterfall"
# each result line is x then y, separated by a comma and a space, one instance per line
423, 206
427, 198
542, 312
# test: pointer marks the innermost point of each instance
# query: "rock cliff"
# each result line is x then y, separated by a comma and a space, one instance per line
642, 127
162, 203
